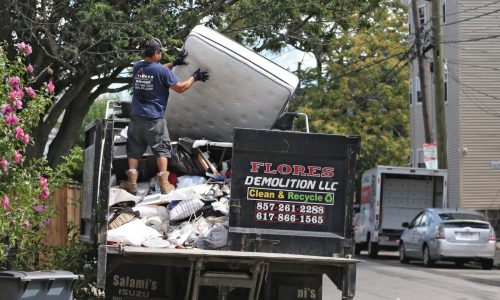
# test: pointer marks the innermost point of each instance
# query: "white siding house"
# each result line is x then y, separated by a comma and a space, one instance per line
471, 44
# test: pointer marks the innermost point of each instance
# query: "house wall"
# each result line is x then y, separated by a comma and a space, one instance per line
479, 105
473, 106
452, 105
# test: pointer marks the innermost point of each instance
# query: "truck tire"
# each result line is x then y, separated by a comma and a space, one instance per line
372, 249
357, 249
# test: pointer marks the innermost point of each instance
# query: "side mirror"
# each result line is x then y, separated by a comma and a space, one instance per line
406, 225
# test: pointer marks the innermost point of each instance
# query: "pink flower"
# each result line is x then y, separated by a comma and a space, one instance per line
28, 50
31, 92
17, 156
11, 119
51, 87
16, 95
20, 46
7, 109
5, 202
19, 133
43, 181
4, 164
39, 208
14, 82
45, 194
26, 224
26, 139
18, 104
29, 68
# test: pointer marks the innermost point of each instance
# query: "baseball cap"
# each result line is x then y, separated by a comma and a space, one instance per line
153, 44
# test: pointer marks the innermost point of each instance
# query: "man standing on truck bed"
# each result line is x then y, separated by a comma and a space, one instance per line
148, 126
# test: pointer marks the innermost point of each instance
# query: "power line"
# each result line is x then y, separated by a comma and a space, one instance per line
402, 53
457, 62
473, 17
472, 88
475, 103
475, 50
481, 38
463, 11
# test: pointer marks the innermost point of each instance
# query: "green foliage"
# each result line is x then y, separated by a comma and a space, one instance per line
363, 88
25, 185
94, 41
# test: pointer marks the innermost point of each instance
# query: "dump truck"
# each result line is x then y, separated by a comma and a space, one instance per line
389, 197
291, 192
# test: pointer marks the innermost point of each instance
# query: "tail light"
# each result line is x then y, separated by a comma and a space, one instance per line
491, 236
440, 232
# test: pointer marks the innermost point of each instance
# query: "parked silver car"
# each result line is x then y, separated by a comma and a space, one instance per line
457, 235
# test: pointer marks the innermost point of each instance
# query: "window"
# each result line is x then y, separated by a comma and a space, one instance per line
410, 96
416, 221
444, 11
419, 92
421, 15
426, 219
445, 81
420, 158
460, 216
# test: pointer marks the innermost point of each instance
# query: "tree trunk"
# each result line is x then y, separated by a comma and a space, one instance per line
42, 131
69, 130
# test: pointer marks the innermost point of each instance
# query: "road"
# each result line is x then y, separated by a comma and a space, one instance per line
386, 278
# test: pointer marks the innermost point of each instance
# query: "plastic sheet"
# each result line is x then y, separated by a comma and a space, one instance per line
133, 233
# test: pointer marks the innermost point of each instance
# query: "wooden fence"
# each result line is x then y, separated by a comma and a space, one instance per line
66, 202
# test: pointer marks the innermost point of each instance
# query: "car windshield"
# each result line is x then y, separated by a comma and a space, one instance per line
460, 216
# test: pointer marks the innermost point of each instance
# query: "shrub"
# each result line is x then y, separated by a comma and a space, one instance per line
25, 184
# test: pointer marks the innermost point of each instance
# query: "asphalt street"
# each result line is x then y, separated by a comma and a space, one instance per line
386, 278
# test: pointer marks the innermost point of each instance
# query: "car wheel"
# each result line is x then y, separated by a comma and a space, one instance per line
372, 249
487, 264
402, 254
428, 262
459, 263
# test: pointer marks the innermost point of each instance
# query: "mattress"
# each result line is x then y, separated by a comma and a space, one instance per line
245, 89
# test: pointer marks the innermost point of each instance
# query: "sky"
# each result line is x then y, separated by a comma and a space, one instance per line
289, 58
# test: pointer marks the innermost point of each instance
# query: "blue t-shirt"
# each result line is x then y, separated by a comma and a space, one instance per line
151, 85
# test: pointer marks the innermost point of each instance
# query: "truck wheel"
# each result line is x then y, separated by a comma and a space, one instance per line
487, 264
402, 254
357, 249
372, 249
428, 262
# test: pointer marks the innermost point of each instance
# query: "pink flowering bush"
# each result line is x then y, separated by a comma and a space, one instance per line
25, 184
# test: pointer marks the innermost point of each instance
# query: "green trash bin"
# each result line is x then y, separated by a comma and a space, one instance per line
37, 285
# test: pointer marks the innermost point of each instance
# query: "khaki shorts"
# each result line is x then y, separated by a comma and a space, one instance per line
143, 132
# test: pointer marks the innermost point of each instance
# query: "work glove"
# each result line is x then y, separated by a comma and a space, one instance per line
179, 59
199, 75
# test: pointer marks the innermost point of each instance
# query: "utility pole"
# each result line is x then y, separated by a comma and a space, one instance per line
441, 137
421, 71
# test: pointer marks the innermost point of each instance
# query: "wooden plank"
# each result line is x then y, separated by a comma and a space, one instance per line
66, 203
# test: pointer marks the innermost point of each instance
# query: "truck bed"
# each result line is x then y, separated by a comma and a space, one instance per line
195, 253
265, 275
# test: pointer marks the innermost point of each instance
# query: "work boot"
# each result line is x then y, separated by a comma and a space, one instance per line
165, 186
131, 184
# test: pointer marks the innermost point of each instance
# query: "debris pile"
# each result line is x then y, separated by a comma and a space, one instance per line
194, 215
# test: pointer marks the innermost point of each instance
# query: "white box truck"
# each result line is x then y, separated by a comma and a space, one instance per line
390, 196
